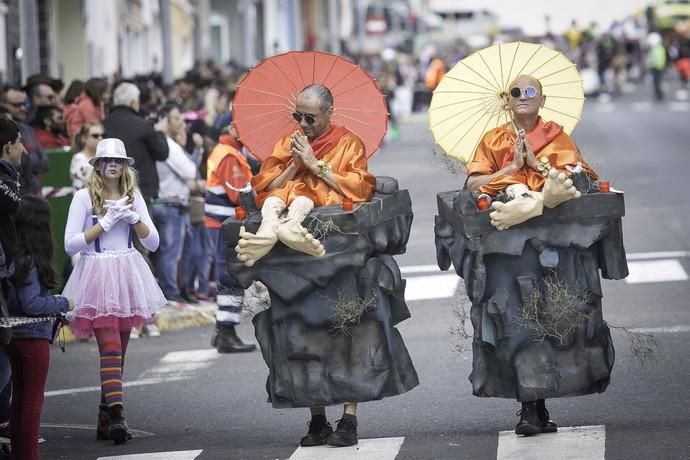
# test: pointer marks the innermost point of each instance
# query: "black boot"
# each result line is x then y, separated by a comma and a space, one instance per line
529, 422
118, 427
103, 423
225, 340
547, 425
319, 430
346, 433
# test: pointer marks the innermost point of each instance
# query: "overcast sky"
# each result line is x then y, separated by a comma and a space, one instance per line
529, 14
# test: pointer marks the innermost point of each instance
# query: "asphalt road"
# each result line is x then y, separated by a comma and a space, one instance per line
216, 404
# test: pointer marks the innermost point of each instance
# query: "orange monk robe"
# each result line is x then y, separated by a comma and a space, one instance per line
496, 151
340, 148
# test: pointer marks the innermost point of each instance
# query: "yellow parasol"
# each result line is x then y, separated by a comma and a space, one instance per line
471, 98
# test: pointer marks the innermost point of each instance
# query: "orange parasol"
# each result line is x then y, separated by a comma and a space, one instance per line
266, 96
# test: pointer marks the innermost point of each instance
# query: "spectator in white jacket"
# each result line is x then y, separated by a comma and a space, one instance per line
171, 208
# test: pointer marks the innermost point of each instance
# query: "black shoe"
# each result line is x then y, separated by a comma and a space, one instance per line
547, 425
529, 422
188, 297
346, 433
319, 430
117, 431
103, 423
225, 340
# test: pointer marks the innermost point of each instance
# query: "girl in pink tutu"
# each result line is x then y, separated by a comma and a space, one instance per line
111, 284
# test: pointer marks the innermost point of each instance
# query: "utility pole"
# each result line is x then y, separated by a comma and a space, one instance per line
167, 42
333, 26
28, 26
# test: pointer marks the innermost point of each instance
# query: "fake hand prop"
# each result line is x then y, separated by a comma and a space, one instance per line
558, 189
516, 211
252, 247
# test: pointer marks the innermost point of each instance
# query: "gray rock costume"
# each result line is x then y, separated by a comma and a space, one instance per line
566, 246
311, 362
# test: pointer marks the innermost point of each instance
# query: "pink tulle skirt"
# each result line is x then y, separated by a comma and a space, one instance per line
111, 289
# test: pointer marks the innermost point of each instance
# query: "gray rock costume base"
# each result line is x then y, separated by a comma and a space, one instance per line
501, 269
311, 363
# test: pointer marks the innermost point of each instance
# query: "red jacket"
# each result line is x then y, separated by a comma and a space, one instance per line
82, 111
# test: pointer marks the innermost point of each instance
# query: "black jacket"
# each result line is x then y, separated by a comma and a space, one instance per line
9, 203
34, 161
143, 143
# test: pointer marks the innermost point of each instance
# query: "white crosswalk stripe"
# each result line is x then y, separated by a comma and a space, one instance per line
431, 287
644, 267
176, 455
569, 443
655, 271
366, 449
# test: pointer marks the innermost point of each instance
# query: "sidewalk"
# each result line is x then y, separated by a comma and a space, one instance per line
174, 316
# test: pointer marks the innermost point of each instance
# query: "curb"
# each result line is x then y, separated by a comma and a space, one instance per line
173, 316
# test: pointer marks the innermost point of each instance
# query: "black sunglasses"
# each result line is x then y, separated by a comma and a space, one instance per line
530, 92
97, 135
310, 119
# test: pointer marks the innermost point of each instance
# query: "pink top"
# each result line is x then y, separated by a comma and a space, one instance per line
80, 219
82, 111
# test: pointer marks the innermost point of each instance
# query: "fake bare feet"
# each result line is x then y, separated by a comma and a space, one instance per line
252, 247
517, 211
558, 188
295, 236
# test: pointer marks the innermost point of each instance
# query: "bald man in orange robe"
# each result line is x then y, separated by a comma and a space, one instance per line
317, 168
509, 160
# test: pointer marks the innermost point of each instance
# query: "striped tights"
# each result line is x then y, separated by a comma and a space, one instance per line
112, 346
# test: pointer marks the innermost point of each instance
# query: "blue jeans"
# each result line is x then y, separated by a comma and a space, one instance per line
197, 258
230, 291
171, 223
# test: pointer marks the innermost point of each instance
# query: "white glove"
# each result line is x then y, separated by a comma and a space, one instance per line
131, 217
111, 217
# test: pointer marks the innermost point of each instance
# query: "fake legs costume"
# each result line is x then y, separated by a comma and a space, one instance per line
313, 360
555, 253
288, 229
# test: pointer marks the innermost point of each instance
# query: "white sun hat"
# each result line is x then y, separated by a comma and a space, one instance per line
111, 148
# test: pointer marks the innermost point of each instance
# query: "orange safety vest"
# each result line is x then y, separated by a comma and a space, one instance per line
220, 202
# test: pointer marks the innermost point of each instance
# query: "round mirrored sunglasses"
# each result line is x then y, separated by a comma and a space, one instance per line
530, 92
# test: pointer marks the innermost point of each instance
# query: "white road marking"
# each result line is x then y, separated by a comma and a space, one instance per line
655, 271
174, 366
180, 365
641, 106
431, 287
133, 383
366, 449
176, 455
605, 107
658, 255
569, 443
679, 106
74, 426
420, 269
661, 330
412, 269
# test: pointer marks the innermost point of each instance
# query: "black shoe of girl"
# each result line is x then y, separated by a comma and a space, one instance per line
103, 423
118, 427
